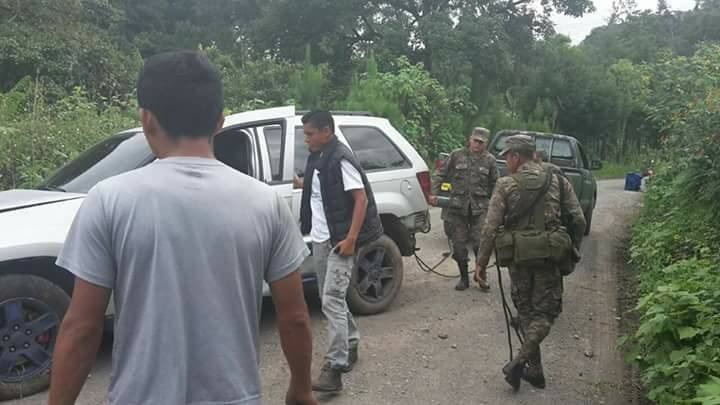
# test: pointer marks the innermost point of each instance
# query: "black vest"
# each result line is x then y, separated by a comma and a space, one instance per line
337, 202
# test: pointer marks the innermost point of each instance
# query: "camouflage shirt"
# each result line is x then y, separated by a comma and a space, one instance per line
505, 200
473, 177
553, 168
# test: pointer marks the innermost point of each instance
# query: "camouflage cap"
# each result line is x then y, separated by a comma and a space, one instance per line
481, 134
518, 143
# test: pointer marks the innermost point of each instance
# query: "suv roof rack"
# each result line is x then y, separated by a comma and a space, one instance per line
341, 112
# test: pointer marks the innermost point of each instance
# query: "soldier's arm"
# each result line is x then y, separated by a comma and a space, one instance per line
571, 205
441, 174
494, 218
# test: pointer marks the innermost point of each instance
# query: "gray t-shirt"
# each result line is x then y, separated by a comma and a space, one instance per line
185, 244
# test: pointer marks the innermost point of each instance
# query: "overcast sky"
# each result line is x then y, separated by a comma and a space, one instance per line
578, 28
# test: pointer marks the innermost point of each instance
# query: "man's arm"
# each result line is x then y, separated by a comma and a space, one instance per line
347, 247
493, 220
295, 335
571, 205
440, 175
78, 342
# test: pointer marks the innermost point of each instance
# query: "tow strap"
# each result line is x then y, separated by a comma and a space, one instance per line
509, 319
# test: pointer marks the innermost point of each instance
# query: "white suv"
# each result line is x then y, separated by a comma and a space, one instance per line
265, 144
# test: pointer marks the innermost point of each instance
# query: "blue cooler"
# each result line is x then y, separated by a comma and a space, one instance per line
633, 181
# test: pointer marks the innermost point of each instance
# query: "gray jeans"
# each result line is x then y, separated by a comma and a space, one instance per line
334, 273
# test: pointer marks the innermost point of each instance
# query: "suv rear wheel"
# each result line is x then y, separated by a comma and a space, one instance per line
31, 309
377, 277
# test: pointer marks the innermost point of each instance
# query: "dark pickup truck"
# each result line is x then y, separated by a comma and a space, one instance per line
565, 152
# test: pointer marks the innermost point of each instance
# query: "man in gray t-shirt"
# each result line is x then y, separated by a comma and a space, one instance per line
185, 244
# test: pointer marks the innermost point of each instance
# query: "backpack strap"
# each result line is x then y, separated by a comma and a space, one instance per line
530, 199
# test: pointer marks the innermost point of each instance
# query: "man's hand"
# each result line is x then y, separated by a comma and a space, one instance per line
346, 248
295, 336
433, 200
479, 276
78, 342
295, 397
298, 182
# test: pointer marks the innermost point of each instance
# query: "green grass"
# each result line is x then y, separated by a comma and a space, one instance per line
612, 170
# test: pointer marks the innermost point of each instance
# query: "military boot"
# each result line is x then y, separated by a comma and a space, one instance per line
513, 372
330, 380
464, 282
533, 372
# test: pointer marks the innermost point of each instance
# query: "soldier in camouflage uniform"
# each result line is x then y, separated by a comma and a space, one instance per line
536, 290
472, 173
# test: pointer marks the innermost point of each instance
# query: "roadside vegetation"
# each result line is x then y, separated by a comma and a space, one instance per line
435, 68
676, 243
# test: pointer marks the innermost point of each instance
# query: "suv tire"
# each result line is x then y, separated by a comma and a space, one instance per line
31, 309
377, 277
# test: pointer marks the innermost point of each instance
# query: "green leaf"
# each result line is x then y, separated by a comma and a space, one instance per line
687, 332
709, 389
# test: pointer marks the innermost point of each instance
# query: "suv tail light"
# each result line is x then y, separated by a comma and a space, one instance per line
438, 164
425, 185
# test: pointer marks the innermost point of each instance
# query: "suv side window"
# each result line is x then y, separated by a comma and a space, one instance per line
373, 149
274, 141
301, 152
235, 149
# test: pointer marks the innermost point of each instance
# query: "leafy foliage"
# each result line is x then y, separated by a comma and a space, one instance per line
676, 245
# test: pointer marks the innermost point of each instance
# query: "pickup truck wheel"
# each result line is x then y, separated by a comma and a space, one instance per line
377, 277
31, 309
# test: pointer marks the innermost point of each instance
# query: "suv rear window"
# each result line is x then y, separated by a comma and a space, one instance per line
373, 148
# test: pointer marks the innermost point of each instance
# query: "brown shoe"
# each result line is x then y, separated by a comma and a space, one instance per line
330, 380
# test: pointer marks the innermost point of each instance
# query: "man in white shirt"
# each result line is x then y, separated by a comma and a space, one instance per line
339, 212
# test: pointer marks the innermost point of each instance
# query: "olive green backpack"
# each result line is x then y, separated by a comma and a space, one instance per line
524, 240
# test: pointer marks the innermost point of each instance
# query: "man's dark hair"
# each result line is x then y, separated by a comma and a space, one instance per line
320, 119
184, 91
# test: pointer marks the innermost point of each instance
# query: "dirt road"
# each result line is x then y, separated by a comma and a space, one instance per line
403, 360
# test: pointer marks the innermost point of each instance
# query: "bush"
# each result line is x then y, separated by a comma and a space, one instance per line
676, 243
414, 102
36, 143
676, 250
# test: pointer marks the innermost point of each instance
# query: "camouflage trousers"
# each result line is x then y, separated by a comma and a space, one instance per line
537, 295
463, 230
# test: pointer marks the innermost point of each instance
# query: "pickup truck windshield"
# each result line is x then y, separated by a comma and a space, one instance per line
115, 155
